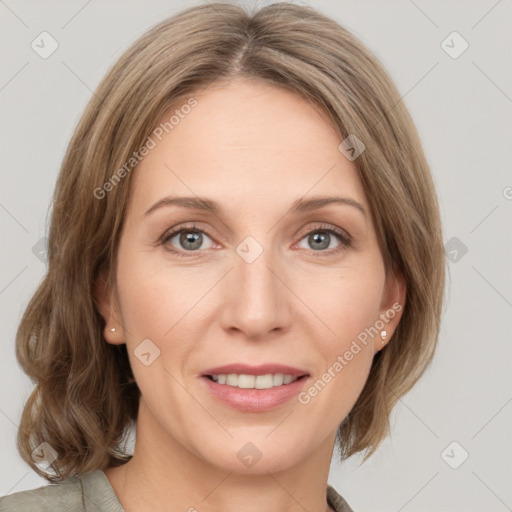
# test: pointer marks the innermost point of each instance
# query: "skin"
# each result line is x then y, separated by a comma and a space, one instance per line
255, 149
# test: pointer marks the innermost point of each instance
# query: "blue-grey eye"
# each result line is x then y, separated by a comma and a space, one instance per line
188, 240
320, 240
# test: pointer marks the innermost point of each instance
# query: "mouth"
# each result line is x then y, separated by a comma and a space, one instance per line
254, 389
245, 381
263, 376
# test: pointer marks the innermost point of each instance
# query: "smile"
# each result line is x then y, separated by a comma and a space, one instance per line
253, 381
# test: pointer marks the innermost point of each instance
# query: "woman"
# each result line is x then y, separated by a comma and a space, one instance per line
245, 262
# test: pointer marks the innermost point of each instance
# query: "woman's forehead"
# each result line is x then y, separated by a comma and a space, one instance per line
247, 140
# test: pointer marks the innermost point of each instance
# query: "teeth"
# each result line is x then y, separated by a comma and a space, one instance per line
254, 381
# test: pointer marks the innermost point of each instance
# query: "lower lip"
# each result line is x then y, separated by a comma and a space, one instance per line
255, 400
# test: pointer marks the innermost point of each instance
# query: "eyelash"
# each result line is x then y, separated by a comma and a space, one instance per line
344, 238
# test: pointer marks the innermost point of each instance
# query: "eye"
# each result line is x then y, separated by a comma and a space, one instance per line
188, 239
322, 237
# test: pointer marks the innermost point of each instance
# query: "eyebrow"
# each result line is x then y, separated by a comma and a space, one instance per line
298, 206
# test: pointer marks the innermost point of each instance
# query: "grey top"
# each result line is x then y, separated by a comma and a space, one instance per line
92, 492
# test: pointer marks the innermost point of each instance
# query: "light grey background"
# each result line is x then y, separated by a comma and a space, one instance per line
462, 107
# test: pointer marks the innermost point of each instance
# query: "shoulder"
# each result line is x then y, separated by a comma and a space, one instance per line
89, 492
336, 501
65, 496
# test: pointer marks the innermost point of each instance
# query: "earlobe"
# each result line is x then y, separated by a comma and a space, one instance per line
108, 309
392, 307
113, 335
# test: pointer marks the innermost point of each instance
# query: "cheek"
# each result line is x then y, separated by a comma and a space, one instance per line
348, 304
165, 304
346, 356
157, 305
345, 300
154, 296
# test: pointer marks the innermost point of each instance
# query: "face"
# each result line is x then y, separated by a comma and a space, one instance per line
267, 278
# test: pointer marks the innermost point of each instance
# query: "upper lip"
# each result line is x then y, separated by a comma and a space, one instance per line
262, 369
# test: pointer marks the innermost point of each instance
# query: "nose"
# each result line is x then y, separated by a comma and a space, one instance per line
257, 299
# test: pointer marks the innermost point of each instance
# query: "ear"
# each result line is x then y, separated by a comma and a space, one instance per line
391, 308
108, 306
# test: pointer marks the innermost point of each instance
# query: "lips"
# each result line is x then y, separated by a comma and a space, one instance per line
254, 400
263, 369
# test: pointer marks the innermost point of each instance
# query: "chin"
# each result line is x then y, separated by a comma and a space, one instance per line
241, 455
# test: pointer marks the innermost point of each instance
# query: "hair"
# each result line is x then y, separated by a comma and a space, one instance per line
85, 398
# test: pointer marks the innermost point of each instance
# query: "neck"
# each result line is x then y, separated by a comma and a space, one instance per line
163, 472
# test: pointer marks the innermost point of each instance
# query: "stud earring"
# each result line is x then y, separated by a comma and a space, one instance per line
113, 329
383, 335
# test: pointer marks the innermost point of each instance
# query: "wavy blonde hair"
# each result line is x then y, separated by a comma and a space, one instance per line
85, 398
